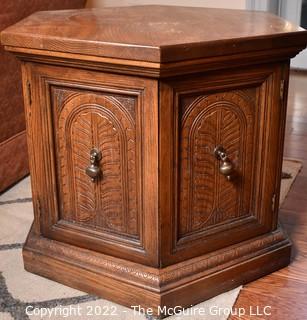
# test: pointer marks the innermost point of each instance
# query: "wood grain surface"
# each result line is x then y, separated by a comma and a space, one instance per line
153, 33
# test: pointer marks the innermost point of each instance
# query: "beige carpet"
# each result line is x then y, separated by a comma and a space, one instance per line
20, 289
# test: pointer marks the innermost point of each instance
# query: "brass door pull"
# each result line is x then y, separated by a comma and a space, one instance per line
226, 167
93, 170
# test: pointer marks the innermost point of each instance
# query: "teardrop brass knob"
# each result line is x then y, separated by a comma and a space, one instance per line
226, 167
93, 170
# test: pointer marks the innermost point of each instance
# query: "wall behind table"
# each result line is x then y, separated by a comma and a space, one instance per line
233, 4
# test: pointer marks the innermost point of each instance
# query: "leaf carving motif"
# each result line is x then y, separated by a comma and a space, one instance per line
89, 121
84, 192
206, 197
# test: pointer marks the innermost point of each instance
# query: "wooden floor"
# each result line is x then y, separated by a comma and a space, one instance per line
286, 290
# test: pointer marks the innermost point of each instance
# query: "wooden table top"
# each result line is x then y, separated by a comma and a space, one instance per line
153, 33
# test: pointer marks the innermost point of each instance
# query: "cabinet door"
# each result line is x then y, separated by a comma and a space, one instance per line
238, 113
98, 157
88, 122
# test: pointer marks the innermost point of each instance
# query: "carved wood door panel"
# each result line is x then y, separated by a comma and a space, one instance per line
208, 198
99, 203
89, 121
210, 208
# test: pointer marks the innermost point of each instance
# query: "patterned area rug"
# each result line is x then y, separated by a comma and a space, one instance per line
27, 296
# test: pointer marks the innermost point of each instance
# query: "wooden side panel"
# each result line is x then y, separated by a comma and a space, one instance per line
72, 112
240, 111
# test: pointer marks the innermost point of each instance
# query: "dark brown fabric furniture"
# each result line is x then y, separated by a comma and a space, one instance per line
13, 149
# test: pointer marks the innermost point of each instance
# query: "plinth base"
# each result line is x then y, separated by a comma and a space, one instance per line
132, 284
